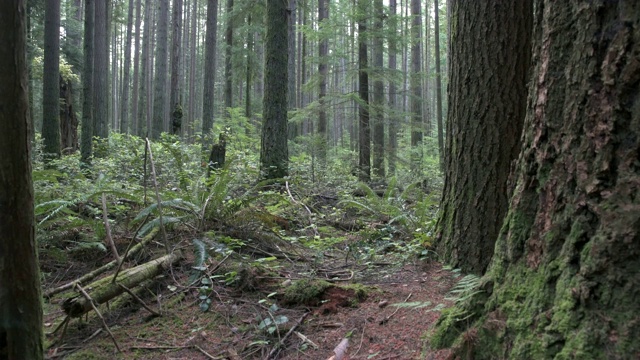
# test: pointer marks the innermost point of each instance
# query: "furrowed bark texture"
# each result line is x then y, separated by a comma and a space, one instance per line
564, 279
274, 154
20, 308
490, 65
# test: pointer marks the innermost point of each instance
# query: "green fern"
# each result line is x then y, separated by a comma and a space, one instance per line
466, 288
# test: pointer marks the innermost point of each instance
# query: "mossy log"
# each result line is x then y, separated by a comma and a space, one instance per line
104, 289
106, 267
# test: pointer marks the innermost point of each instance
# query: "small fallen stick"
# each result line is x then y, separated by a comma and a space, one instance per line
276, 348
384, 321
104, 323
133, 295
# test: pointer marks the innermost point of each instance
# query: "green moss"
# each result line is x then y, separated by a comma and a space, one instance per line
305, 291
361, 291
447, 328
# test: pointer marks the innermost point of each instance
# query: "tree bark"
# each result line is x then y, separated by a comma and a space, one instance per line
228, 76
293, 96
323, 50
364, 134
135, 124
563, 282
51, 81
393, 119
101, 71
378, 92
86, 141
209, 71
439, 78
124, 102
68, 119
20, 300
175, 101
416, 83
160, 78
274, 155
488, 97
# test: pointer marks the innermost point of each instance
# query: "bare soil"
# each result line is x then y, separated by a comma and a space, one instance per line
393, 322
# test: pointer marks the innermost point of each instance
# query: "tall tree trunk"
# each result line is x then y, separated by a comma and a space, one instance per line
364, 134
485, 142
563, 282
323, 49
193, 47
293, 128
228, 75
124, 102
393, 119
175, 101
51, 81
426, 105
209, 71
145, 71
101, 71
439, 82
378, 92
160, 82
20, 300
86, 141
247, 97
274, 155
416, 84
136, 72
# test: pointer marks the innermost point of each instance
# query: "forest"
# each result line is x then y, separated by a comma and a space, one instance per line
341, 180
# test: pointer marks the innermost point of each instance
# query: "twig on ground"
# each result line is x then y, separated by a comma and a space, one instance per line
104, 323
384, 321
137, 298
277, 347
155, 185
126, 252
286, 184
107, 227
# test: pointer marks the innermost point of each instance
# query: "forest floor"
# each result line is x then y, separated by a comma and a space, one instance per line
293, 303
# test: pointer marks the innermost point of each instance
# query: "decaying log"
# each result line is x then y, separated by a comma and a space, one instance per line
106, 267
104, 289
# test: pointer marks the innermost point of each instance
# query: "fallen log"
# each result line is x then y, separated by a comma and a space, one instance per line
108, 266
103, 290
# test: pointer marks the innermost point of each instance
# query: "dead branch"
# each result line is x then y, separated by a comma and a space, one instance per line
95, 273
280, 344
107, 228
104, 323
104, 290
155, 185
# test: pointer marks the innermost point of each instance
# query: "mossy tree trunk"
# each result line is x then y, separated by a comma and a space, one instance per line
564, 279
488, 103
274, 154
364, 128
20, 301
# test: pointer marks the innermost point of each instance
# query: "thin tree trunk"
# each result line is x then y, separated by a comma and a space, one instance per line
393, 119
136, 72
192, 70
323, 49
124, 103
160, 86
209, 72
228, 76
416, 85
378, 92
438, 85
247, 97
86, 141
51, 81
101, 71
175, 101
293, 128
364, 160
